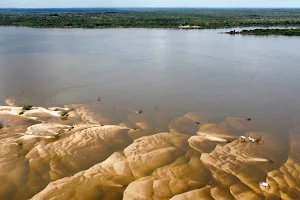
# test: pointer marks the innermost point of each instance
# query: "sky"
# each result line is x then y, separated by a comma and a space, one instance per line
146, 3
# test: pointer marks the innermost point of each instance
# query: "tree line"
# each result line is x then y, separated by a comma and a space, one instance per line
168, 18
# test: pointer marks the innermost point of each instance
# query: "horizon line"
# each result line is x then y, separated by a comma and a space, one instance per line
149, 7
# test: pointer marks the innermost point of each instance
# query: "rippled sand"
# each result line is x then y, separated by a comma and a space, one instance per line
83, 157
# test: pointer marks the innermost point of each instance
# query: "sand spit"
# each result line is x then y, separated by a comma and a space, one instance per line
186, 124
44, 157
89, 114
285, 181
34, 111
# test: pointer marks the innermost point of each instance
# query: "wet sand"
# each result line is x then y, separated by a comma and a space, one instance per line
91, 155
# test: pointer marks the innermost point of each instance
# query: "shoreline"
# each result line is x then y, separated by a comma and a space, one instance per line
163, 28
267, 32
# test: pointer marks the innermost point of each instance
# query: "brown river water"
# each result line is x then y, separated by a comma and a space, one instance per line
165, 73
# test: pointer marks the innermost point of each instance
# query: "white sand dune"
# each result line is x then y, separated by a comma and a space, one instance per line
85, 158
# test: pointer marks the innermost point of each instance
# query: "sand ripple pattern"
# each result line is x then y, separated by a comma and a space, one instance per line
43, 157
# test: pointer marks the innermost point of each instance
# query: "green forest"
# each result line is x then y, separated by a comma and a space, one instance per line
287, 32
150, 18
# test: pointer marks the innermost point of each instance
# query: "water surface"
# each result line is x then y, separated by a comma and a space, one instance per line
158, 70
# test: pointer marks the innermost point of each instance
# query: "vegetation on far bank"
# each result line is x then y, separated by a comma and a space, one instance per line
287, 32
150, 18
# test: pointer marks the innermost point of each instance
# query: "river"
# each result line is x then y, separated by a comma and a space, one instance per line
157, 70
